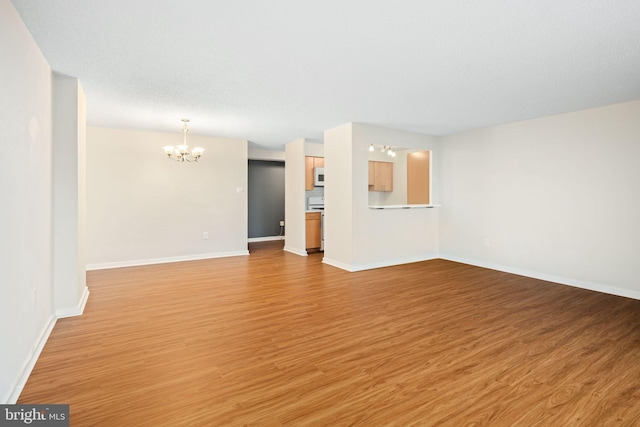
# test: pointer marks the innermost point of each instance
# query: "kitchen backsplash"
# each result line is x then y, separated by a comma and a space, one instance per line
316, 192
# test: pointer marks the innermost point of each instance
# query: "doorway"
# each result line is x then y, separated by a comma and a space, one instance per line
265, 199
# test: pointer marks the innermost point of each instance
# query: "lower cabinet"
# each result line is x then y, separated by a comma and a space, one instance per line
313, 232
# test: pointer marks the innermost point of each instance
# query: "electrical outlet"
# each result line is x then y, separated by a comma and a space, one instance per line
281, 223
205, 235
487, 242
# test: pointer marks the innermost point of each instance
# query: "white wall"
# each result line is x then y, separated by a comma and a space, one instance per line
338, 197
555, 198
26, 285
294, 219
357, 237
388, 237
313, 149
143, 208
69, 191
295, 194
268, 155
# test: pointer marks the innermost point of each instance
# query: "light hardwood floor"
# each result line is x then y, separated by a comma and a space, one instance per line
277, 339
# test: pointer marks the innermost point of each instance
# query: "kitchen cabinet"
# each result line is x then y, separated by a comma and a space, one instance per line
310, 163
313, 230
380, 176
418, 177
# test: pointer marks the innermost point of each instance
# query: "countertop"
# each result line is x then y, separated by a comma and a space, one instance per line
403, 206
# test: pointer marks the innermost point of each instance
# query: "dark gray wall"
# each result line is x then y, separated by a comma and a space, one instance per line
266, 198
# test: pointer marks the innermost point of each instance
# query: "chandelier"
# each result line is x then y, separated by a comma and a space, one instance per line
181, 153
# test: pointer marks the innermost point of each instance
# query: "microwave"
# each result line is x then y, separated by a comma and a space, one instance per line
318, 177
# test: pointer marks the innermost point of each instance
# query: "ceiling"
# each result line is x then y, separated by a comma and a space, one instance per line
272, 71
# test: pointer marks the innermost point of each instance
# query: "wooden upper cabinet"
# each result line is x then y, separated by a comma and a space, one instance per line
308, 173
310, 163
382, 173
418, 177
372, 175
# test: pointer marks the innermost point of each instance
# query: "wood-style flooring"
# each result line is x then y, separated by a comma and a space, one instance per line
276, 339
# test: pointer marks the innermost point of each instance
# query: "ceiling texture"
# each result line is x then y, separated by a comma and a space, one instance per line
272, 71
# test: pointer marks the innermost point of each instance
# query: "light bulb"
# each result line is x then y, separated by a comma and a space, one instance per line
371, 147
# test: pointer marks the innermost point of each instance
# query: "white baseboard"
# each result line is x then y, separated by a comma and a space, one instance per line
337, 264
31, 362
381, 264
77, 310
265, 239
598, 287
295, 251
135, 263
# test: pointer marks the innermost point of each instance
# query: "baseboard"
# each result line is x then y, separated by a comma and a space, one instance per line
295, 251
135, 263
31, 362
77, 310
337, 264
592, 286
381, 264
264, 239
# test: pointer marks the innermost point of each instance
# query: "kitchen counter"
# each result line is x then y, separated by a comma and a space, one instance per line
403, 206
